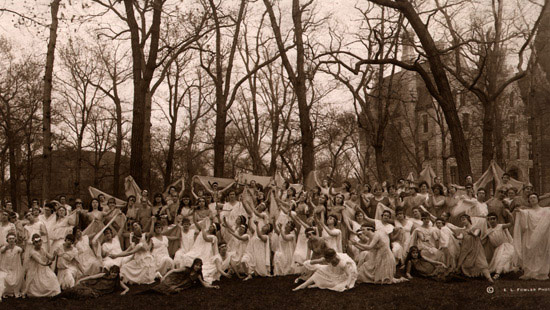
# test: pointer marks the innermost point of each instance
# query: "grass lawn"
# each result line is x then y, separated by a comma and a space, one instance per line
275, 293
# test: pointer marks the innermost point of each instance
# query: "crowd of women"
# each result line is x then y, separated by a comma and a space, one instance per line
332, 238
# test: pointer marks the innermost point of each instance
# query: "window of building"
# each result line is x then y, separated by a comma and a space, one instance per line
426, 150
466, 121
518, 152
425, 122
513, 120
508, 146
530, 149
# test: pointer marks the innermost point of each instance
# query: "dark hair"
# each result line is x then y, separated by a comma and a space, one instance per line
75, 229
245, 227
308, 230
492, 214
242, 218
368, 225
467, 217
51, 206
424, 215
399, 210
70, 237
335, 219
386, 211
423, 183
440, 219
409, 256
329, 254
216, 226
270, 227
162, 201
108, 229
293, 191
98, 205
439, 187
197, 261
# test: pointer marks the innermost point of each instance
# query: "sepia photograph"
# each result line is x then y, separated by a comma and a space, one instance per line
274, 154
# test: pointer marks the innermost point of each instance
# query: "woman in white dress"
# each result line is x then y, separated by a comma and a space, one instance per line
34, 226
282, 260
240, 241
163, 262
335, 271
218, 266
205, 246
257, 257
63, 226
332, 235
111, 246
531, 242
426, 239
86, 257
140, 269
96, 216
48, 217
501, 240
11, 270
68, 268
41, 280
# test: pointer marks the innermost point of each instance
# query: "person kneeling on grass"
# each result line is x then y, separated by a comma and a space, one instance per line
335, 271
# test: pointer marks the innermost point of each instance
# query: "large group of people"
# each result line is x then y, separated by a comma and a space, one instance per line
330, 238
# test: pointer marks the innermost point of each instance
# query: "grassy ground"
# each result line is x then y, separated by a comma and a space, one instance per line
275, 293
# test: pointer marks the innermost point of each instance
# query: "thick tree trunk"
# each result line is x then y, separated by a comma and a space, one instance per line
46, 104
78, 167
444, 94
379, 157
171, 149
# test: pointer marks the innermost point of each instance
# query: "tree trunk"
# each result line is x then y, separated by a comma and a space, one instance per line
488, 132
14, 171
118, 148
46, 104
379, 156
219, 141
442, 92
171, 148
78, 168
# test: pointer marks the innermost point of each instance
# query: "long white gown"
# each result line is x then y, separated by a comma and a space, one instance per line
86, 257
282, 260
11, 272
300, 252
503, 257
140, 269
163, 262
531, 242
257, 256
67, 270
202, 249
41, 280
336, 278
333, 242
210, 271
108, 248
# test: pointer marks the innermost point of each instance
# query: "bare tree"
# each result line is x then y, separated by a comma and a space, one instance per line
78, 96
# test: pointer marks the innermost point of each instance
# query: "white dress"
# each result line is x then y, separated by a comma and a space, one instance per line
503, 257
333, 242
210, 271
337, 278
86, 256
109, 248
186, 242
4, 230
11, 272
140, 269
257, 256
531, 242
300, 252
41, 280
49, 223
202, 249
282, 260
67, 270
59, 231
163, 262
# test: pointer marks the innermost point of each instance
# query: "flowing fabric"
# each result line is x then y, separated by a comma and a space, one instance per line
257, 256
141, 268
282, 260
336, 278
41, 280
471, 259
450, 247
379, 263
334, 242
86, 257
12, 272
425, 239
94, 192
532, 242
67, 270
202, 249
300, 252
108, 248
503, 257
210, 270
163, 262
